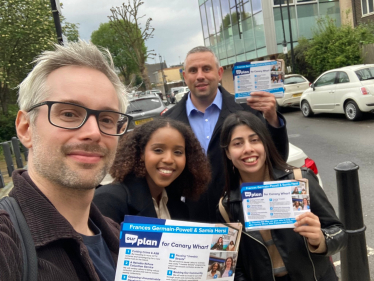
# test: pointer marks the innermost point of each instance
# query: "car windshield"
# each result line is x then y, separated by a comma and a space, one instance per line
365, 73
294, 80
142, 105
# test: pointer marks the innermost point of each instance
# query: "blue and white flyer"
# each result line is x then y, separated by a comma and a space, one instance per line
159, 250
274, 204
257, 76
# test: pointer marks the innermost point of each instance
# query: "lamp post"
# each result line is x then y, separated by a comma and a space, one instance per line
291, 41
162, 74
56, 11
284, 43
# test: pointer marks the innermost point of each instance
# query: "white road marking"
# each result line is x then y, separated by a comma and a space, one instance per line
370, 253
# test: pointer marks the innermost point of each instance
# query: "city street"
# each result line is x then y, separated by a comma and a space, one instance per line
330, 139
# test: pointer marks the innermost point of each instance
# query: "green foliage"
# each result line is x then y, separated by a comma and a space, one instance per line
108, 38
7, 127
301, 65
333, 47
26, 29
125, 20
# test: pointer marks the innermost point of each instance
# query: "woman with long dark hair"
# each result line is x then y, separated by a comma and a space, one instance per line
296, 254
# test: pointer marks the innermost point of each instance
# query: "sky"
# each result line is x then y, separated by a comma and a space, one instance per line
177, 23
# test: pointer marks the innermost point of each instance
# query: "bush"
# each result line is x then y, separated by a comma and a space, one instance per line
334, 47
7, 125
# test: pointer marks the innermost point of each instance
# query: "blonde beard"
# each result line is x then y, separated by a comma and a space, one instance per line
49, 164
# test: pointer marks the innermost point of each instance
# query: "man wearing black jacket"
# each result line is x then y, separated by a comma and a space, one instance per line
205, 108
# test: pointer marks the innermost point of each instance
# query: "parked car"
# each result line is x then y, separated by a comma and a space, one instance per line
181, 92
298, 158
294, 86
156, 92
170, 96
145, 108
348, 90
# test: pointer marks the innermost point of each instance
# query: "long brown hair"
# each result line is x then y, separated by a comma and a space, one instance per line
273, 158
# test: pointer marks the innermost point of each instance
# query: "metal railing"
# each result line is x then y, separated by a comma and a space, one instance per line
10, 148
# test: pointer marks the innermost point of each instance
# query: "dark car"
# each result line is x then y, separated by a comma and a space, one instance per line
145, 108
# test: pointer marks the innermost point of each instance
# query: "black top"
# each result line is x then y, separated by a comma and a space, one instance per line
133, 197
99, 254
204, 209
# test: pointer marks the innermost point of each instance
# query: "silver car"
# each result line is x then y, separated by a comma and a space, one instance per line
145, 108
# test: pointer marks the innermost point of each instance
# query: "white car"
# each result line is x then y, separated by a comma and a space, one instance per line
348, 90
294, 86
298, 158
181, 92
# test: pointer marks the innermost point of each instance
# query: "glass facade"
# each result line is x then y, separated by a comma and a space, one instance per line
304, 15
235, 29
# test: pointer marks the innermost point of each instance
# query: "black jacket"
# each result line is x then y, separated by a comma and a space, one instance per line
204, 210
254, 261
133, 197
61, 253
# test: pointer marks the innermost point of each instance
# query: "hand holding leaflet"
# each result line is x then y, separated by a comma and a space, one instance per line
276, 204
309, 226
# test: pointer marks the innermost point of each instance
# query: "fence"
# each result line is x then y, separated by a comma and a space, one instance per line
10, 148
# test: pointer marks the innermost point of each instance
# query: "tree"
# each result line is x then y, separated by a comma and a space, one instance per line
26, 29
107, 37
333, 47
301, 65
126, 22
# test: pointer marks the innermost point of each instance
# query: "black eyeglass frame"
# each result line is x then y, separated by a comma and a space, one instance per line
89, 112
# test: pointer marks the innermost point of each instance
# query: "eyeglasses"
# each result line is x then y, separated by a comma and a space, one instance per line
72, 116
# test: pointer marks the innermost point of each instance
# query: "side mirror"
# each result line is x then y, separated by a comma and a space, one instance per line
313, 87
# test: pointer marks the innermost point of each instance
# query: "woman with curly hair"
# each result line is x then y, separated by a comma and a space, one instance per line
155, 165
214, 271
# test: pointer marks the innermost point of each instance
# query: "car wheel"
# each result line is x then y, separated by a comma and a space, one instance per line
306, 110
352, 111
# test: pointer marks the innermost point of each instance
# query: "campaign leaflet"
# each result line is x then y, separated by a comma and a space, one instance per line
159, 250
274, 204
257, 76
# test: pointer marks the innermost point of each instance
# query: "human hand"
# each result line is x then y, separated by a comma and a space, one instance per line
265, 102
309, 226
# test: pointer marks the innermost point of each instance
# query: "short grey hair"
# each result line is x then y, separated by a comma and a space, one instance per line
33, 88
201, 49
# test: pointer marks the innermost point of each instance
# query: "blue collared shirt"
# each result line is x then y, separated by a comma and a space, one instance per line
203, 124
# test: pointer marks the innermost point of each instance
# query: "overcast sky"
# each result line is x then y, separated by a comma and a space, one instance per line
177, 23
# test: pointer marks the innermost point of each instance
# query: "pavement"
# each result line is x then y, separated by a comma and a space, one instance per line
5, 191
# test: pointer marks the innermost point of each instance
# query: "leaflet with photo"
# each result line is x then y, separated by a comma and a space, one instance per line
274, 204
257, 76
158, 249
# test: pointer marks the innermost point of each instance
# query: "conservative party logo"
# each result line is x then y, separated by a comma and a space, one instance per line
140, 239
253, 194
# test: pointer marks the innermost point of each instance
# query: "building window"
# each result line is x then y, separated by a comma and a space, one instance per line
203, 21
367, 7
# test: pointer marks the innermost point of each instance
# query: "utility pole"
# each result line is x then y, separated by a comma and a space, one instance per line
162, 74
285, 51
291, 41
56, 11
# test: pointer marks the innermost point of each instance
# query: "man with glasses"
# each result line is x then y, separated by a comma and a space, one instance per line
70, 118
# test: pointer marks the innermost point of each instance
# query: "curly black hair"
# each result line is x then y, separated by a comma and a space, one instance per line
194, 179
